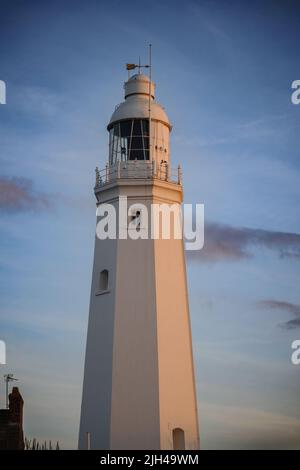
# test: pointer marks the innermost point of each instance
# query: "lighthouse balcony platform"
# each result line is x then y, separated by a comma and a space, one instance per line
138, 170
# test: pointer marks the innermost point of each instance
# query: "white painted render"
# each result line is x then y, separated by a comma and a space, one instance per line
139, 380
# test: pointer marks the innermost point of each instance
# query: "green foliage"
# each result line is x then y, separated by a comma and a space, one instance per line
34, 444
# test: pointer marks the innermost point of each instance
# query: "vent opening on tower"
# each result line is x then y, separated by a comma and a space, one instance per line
178, 439
103, 281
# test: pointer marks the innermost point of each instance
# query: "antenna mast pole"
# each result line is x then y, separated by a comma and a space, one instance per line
7, 380
150, 67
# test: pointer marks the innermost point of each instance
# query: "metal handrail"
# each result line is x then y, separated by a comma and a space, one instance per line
137, 169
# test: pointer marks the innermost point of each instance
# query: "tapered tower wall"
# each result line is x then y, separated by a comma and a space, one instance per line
139, 388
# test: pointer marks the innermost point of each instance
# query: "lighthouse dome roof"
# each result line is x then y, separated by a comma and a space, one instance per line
136, 104
138, 107
140, 77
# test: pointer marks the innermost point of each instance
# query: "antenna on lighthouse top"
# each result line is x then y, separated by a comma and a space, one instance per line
150, 67
8, 378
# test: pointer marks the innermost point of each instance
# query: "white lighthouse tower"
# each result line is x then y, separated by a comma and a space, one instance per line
139, 386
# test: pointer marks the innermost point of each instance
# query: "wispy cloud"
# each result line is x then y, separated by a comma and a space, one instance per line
18, 194
288, 307
227, 243
245, 427
263, 127
38, 102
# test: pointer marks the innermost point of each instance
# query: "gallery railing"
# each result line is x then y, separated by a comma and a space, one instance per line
138, 169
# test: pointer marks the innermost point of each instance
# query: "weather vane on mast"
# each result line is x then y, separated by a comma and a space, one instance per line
139, 66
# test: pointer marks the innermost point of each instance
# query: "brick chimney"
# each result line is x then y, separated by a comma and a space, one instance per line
11, 423
16, 404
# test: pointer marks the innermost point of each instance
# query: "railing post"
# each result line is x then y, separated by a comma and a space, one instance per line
119, 170
106, 173
97, 177
153, 168
167, 171
179, 174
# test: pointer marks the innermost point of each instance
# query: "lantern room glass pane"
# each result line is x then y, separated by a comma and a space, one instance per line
145, 124
136, 147
129, 140
126, 128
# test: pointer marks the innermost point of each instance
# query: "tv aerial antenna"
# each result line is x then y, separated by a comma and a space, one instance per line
8, 378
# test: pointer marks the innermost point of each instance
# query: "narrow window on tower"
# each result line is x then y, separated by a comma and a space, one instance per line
178, 439
103, 282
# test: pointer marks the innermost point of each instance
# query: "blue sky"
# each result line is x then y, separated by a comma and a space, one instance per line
223, 72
